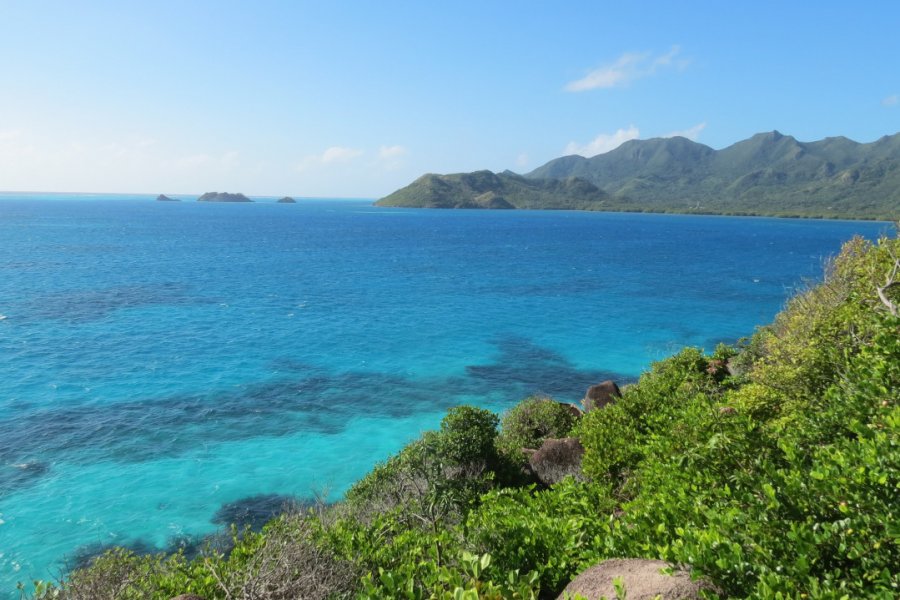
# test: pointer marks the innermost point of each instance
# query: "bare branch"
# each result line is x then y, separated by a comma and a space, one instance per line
890, 282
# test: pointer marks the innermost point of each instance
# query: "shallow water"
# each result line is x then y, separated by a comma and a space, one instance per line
161, 361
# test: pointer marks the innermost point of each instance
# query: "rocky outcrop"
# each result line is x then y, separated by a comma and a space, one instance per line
164, 198
641, 578
556, 459
600, 395
572, 408
287, 200
223, 197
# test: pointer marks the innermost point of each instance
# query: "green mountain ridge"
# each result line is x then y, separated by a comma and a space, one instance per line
485, 189
767, 174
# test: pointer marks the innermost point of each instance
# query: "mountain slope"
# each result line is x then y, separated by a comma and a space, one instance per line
767, 174
484, 189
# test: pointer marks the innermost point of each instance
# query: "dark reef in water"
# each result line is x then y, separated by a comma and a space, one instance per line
22, 474
305, 399
255, 511
223, 197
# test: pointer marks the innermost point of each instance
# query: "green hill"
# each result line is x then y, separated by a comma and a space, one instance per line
768, 174
484, 189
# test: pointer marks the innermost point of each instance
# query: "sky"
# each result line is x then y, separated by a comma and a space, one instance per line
357, 99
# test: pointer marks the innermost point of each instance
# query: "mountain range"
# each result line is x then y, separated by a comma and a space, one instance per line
767, 174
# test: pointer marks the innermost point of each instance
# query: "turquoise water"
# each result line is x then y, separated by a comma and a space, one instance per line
167, 366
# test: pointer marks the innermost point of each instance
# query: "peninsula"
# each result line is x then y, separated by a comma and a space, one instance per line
484, 189
767, 174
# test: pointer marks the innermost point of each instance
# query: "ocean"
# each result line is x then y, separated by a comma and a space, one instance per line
168, 367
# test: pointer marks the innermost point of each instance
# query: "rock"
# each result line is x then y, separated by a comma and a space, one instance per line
734, 369
188, 597
642, 580
717, 368
600, 395
555, 459
164, 198
572, 408
223, 197
287, 200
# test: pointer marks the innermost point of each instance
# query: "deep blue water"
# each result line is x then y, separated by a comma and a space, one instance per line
161, 361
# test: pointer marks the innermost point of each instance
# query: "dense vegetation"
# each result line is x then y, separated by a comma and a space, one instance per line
772, 469
768, 174
484, 189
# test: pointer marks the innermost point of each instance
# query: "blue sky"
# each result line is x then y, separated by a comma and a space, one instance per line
356, 99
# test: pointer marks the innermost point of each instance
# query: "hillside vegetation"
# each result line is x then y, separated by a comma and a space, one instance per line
484, 189
771, 469
768, 174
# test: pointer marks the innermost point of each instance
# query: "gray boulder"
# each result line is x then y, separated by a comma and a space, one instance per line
600, 395
642, 580
555, 459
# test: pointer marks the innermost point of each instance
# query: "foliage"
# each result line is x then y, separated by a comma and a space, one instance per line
545, 532
484, 189
530, 422
464, 583
434, 479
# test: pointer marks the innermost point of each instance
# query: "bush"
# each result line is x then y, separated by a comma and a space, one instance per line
530, 422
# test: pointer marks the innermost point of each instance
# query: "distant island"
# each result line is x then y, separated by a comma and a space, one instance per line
767, 174
223, 197
287, 200
164, 198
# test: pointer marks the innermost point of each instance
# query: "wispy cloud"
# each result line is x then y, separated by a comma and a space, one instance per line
892, 100
339, 154
603, 142
627, 68
391, 158
691, 133
522, 161
331, 156
391, 152
10, 135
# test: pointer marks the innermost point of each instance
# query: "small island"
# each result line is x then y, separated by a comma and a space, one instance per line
223, 197
287, 200
164, 198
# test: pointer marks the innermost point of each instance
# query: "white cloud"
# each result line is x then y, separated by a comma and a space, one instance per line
10, 135
391, 158
339, 154
603, 142
627, 68
391, 152
522, 161
691, 133
891, 100
331, 156
192, 162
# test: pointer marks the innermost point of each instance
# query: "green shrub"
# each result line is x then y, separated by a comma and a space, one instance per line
543, 532
530, 422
